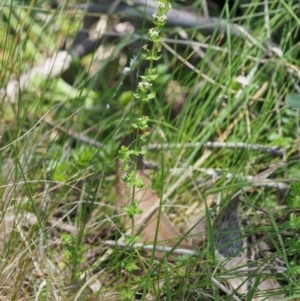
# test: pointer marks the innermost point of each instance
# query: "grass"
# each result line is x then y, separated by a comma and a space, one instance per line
59, 147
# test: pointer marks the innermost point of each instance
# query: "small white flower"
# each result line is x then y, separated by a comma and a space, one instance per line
159, 17
164, 5
153, 32
144, 85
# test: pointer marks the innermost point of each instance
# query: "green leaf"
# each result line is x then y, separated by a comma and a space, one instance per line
296, 269
293, 100
294, 196
127, 294
131, 266
294, 221
292, 245
62, 171
151, 96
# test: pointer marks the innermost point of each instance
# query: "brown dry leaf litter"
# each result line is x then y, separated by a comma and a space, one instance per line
146, 222
233, 252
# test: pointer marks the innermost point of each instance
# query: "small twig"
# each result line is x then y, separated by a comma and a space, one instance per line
112, 243
215, 174
276, 151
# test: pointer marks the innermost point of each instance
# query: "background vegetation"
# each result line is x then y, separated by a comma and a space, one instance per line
60, 137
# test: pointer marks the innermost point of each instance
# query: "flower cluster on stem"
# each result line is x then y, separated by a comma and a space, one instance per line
139, 124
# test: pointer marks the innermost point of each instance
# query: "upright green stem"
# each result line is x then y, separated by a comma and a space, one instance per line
144, 94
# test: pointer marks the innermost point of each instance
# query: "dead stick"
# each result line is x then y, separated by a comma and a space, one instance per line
112, 243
